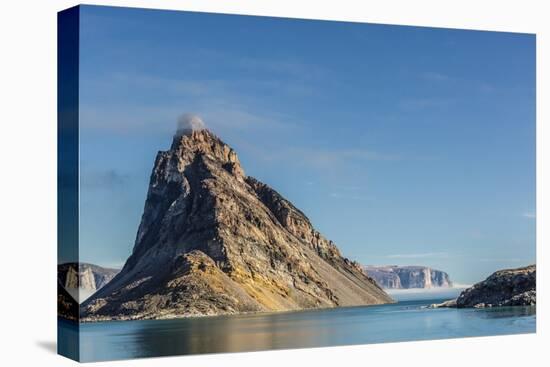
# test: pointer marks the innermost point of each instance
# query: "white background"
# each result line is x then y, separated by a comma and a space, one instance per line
28, 181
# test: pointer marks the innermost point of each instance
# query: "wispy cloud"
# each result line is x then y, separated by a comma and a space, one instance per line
288, 67
486, 87
222, 104
426, 102
220, 117
419, 255
435, 76
501, 260
477, 234
530, 215
105, 179
350, 192
324, 157
321, 158
350, 196
152, 83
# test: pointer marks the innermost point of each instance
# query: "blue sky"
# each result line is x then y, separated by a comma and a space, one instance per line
404, 145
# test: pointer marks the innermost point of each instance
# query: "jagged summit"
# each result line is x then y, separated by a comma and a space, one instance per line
186, 146
214, 241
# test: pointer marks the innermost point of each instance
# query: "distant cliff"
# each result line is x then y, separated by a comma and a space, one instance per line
405, 277
509, 287
81, 280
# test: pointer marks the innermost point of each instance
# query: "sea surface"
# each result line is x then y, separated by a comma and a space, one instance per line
407, 320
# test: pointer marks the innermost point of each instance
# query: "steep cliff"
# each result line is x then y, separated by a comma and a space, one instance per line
83, 279
405, 277
214, 241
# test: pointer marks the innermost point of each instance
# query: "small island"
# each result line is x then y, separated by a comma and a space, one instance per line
508, 287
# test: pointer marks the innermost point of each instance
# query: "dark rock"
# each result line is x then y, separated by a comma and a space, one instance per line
67, 306
510, 287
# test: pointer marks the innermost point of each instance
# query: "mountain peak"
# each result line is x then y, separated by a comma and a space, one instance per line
188, 144
213, 241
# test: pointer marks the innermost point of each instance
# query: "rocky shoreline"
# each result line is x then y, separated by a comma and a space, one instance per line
509, 287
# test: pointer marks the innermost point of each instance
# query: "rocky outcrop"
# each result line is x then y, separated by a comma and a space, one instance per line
405, 277
86, 278
215, 241
510, 287
67, 306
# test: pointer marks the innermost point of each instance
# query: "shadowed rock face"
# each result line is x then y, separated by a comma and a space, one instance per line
67, 307
214, 241
405, 277
510, 287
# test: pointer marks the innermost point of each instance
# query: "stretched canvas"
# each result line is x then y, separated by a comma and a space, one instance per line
233, 183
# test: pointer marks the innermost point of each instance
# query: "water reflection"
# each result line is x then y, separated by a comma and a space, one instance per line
504, 312
237, 334
344, 326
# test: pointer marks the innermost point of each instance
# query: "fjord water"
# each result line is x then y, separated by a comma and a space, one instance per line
406, 320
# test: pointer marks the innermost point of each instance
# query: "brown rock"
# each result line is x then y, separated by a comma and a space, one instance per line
214, 241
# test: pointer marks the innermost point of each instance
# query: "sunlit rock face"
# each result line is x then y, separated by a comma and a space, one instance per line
214, 241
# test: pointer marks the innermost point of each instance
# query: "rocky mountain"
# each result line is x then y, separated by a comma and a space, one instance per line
404, 277
83, 279
509, 287
214, 241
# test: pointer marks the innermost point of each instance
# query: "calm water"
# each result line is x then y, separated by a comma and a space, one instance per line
404, 321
